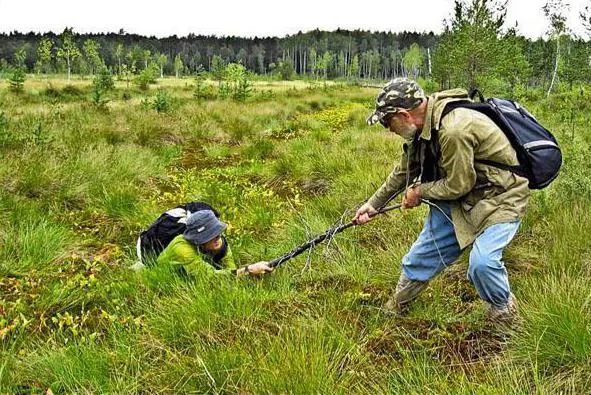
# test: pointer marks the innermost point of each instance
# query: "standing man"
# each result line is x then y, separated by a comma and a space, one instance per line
473, 203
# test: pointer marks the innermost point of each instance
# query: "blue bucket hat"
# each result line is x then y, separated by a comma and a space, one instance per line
203, 226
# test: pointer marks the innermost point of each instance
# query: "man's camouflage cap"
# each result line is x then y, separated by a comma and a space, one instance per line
399, 93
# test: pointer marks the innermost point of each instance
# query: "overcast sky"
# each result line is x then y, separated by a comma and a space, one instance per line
253, 18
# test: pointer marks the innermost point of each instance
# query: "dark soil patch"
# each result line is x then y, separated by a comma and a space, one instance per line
469, 346
455, 283
455, 344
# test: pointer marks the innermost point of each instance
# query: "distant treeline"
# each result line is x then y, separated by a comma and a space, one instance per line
473, 50
340, 53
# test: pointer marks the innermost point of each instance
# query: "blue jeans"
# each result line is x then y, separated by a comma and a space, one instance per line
437, 247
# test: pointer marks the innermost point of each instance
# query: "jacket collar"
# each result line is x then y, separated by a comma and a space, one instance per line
435, 106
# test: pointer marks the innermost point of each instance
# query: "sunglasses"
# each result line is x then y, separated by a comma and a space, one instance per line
384, 121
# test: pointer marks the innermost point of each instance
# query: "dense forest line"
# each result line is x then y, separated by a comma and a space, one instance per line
379, 53
475, 48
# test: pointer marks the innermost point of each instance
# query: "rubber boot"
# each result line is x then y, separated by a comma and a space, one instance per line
407, 290
505, 315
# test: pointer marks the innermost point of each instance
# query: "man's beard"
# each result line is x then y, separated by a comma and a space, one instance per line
408, 131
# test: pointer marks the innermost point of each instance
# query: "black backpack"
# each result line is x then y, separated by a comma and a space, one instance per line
537, 150
169, 225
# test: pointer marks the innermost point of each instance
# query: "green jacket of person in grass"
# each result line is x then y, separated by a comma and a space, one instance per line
202, 250
193, 260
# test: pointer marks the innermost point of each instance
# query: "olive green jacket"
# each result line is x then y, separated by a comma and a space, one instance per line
181, 253
479, 195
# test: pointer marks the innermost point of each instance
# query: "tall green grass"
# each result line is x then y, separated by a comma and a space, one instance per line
80, 184
30, 239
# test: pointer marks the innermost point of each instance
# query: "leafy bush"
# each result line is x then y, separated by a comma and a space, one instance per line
202, 90
104, 80
162, 102
284, 70
265, 94
243, 89
39, 134
239, 85
224, 90
429, 85
147, 77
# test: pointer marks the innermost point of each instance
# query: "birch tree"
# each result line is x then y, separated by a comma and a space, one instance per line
354, 67
20, 56
145, 56
161, 60
312, 60
555, 11
44, 55
178, 65
218, 68
92, 56
413, 60
68, 51
119, 51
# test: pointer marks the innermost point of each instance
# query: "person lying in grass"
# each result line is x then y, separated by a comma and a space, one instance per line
201, 250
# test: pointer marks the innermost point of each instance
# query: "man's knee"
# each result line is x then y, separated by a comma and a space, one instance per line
482, 262
419, 266
415, 269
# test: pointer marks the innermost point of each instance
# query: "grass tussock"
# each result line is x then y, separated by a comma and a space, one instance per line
79, 183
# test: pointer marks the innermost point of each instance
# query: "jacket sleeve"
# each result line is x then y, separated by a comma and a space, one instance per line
228, 261
457, 161
395, 181
186, 256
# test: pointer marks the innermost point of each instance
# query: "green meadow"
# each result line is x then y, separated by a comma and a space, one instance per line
81, 180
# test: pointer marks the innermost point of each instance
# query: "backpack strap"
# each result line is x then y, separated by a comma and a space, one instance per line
476, 92
515, 169
449, 107
486, 109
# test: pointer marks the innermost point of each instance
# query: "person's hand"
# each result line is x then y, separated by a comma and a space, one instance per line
362, 215
412, 198
259, 268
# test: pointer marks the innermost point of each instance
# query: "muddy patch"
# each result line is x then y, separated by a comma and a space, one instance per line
453, 344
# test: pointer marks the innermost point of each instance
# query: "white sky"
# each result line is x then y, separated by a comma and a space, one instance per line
253, 18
